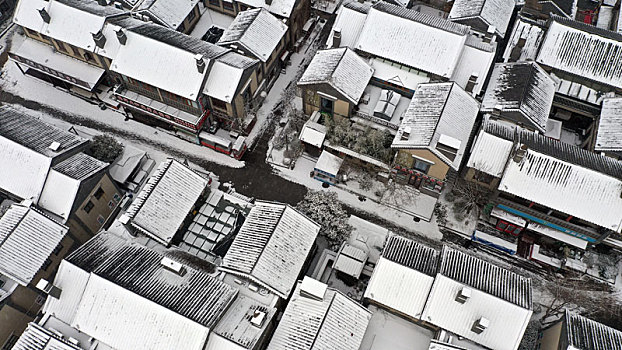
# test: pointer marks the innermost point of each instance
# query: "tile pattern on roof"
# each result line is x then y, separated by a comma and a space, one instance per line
170, 13
585, 334
487, 277
496, 13
36, 337
80, 166
358, 6
609, 136
27, 238
411, 254
195, 295
423, 18
161, 207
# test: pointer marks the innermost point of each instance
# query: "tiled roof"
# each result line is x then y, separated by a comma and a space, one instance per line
80, 166
495, 13
357, 6
609, 136
422, 18
485, 276
236, 324
271, 247
411, 254
585, 334
36, 337
170, 13
27, 238
162, 206
195, 295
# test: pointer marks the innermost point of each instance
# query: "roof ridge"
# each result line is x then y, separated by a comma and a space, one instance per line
605, 33
419, 17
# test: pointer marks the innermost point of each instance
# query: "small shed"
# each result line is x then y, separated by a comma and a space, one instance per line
327, 168
350, 261
312, 137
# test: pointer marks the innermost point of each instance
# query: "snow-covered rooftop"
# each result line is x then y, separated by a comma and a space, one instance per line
121, 169
223, 81
585, 334
335, 322
80, 166
170, 13
439, 115
394, 33
280, 8
532, 33
523, 92
313, 133
342, 69
481, 14
236, 325
350, 260
256, 30
27, 238
36, 337
609, 135
490, 153
350, 20
162, 206
329, 163
411, 254
477, 58
583, 50
271, 247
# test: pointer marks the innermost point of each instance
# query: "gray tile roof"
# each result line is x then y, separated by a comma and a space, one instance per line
34, 134
80, 166
411, 254
485, 276
195, 295
429, 20
36, 337
609, 136
27, 238
585, 334
358, 6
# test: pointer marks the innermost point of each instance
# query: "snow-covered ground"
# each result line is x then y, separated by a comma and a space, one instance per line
208, 19
388, 331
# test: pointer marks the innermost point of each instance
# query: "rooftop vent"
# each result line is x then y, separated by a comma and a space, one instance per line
173, 266
54, 146
405, 134
44, 15
336, 37
520, 153
121, 36
490, 33
73, 341
463, 295
496, 110
480, 325
312, 289
259, 318
100, 39
470, 86
200, 63
48, 288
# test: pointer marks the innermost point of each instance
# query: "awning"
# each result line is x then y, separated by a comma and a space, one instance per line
41, 57
285, 56
511, 218
558, 235
496, 242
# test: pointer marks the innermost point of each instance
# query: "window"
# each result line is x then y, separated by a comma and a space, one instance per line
447, 151
111, 204
227, 5
181, 27
116, 197
214, 2
58, 248
326, 105
191, 15
61, 46
508, 228
421, 166
99, 193
40, 300
101, 219
88, 207
219, 104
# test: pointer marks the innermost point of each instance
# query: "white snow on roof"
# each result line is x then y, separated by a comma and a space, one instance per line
271, 247
159, 64
257, 30
342, 69
23, 171
126, 321
438, 109
609, 136
489, 154
121, 169
59, 193
71, 280
584, 333
584, 51
36, 337
495, 13
335, 323
27, 238
475, 59
568, 188
350, 22
507, 321
350, 260
280, 8
396, 38
170, 13
313, 133
399, 288
329, 163
223, 81
160, 209
397, 74
533, 35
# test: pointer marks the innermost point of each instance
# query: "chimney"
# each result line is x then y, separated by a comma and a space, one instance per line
44, 15
121, 36
470, 86
102, 2
312, 289
496, 111
463, 295
173, 266
480, 325
100, 39
268, 2
48, 288
200, 62
405, 134
520, 153
516, 50
490, 33
336, 37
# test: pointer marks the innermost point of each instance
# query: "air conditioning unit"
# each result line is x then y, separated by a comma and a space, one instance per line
48, 288
480, 325
463, 295
173, 266
258, 319
405, 134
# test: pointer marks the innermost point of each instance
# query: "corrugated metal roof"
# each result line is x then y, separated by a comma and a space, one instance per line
334, 323
195, 295
36, 337
27, 238
583, 50
342, 69
257, 30
485, 276
80, 166
162, 206
412, 254
521, 87
585, 334
271, 247
609, 136
34, 134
